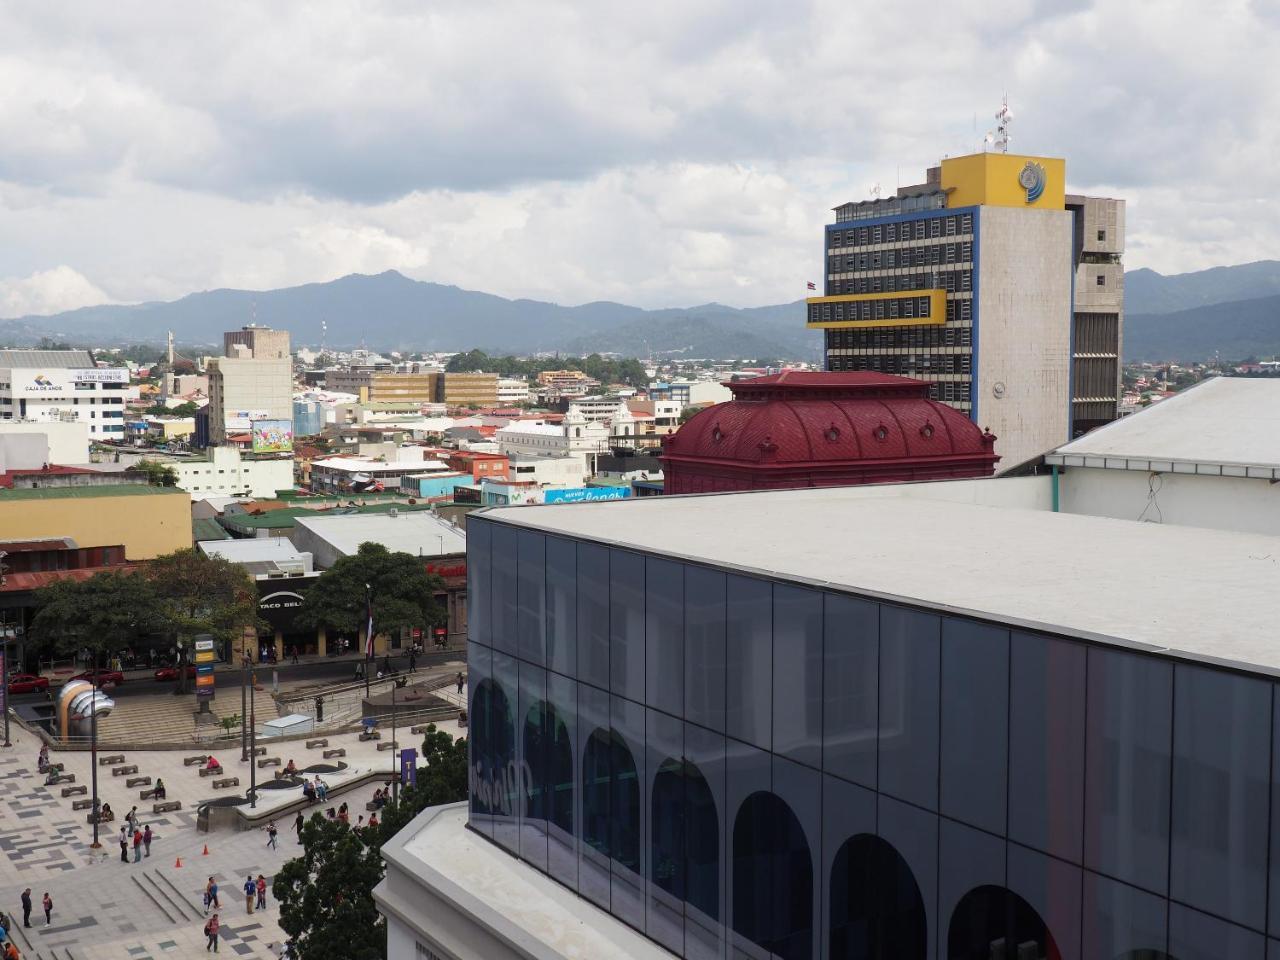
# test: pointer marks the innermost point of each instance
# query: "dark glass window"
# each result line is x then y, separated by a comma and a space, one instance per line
772, 878
593, 615
492, 749
876, 907
995, 922
611, 798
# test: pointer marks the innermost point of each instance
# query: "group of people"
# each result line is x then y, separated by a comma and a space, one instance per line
315, 791
139, 836
10, 949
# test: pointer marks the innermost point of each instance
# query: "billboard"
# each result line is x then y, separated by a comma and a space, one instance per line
272, 436
581, 494
243, 419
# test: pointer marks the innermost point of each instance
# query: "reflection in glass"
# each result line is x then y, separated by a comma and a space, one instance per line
611, 799
992, 922
877, 912
493, 749
772, 878
685, 837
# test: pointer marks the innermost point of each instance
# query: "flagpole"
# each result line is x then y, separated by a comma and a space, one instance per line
368, 636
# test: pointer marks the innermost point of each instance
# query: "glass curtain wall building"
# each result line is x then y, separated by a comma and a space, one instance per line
741, 765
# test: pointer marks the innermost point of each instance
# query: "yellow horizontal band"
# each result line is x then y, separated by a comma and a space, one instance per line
937, 310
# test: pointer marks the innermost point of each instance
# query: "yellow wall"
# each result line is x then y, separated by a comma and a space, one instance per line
148, 525
937, 310
992, 178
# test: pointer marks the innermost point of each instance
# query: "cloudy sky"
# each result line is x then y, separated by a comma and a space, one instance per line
663, 153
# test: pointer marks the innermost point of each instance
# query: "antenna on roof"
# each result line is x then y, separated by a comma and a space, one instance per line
1003, 119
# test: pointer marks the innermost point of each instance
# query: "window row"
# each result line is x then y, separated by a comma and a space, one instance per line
917, 337
932, 254
890, 308
921, 229
906, 364
953, 281
890, 206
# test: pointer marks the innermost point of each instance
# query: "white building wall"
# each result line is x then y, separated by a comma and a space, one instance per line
94, 396
64, 442
1022, 340
1222, 503
226, 473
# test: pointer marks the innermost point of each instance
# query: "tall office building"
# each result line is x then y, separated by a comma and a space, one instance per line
253, 383
47, 386
991, 282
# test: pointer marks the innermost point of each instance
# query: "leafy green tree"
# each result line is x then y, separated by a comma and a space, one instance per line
186, 409
326, 895
158, 474
397, 584
203, 595
104, 614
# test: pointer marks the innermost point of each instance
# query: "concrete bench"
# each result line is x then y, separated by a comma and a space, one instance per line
100, 818
372, 806
138, 782
210, 771
312, 744
108, 761
387, 745
268, 762
85, 804
419, 728
226, 782
166, 806
125, 770
147, 794
192, 761
259, 751
62, 778
371, 735
75, 791
336, 752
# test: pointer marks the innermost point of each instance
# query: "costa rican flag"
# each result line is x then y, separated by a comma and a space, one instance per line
368, 638
812, 285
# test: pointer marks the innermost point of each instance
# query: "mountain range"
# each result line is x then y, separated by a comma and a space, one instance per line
1234, 311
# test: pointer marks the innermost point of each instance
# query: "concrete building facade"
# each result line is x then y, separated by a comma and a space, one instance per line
50, 386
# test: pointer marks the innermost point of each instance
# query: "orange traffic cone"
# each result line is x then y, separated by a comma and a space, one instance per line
206, 851
177, 862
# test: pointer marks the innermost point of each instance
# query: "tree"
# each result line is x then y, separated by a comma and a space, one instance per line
203, 595
401, 591
326, 895
158, 474
187, 408
104, 614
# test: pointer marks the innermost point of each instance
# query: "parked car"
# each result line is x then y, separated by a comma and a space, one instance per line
104, 677
27, 683
171, 673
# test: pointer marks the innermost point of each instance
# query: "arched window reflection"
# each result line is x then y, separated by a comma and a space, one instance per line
492, 750
877, 912
772, 878
685, 836
611, 798
990, 921
536, 793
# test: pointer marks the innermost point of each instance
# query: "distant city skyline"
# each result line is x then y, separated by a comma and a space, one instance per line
664, 156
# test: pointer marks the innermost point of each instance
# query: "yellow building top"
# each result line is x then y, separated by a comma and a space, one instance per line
1005, 180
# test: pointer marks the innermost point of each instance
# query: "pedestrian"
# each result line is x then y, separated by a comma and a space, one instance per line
386, 663
211, 931
48, 907
298, 824
160, 789
413, 660
295, 653
124, 844
11, 951
211, 896
146, 839
132, 818
137, 845
262, 892
319, 709
271, 835
250, 892
459, 683
26, 907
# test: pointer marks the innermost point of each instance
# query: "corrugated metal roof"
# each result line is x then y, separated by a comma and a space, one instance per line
47, 359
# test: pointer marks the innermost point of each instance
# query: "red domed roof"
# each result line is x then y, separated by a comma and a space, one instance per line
823, 421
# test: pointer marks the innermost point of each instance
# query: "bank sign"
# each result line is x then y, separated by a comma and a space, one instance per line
581, 494
56, 381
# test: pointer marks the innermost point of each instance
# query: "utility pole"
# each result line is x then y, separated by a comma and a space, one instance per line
395, 751
244, 711
253, 757
93, 749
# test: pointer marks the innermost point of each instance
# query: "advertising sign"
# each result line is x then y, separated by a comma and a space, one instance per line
581, 494
408, 767
272, 436
101, 375
204, 667
241, 419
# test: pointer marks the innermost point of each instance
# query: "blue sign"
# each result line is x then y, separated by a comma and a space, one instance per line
409, 767
580, 494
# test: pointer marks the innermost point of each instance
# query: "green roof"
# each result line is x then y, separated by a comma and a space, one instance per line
287, 517
82, 492
208, 529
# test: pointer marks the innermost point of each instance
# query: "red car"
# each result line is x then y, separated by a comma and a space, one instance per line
104, 677
171, 673
27, 683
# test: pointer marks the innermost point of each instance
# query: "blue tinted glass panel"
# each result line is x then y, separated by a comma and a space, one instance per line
563, 780
480, 784
504, 546
479, 569
1046, 744
749, 772
749, 661
1221, 777
1120, 919
667, 879
531, 589
593, 615
628, 853
505, 725
626, 624
1128, 737
967, 859
1198, 936
562, 606
533, 805
704, 636
798, 878
975, 723
597, 787
851, 632
1052, 888
913, 833
797, 674
664, 635
705, 910
908, 734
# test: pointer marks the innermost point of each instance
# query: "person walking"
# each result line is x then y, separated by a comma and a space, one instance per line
137, 845
271, 835
262, 892
295, 654
211, 931
459, 683
211, 896
250, 894
298, 824
124, 844
26, 907
48, 907
319, 709
146, 839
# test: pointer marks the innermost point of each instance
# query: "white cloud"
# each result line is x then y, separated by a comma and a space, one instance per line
658, 154
48, 291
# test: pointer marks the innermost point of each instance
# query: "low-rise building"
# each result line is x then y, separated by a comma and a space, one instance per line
569, 470
479, 465
61, 385
147, 521
32, 443
512, 390
468, 390
230, 472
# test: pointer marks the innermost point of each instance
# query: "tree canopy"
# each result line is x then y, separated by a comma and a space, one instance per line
158, 474
605, 369
401, 590
105, 613
326, 895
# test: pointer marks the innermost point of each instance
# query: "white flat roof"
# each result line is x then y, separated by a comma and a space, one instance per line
252, 550
1222, 421
1203, 594
419, 533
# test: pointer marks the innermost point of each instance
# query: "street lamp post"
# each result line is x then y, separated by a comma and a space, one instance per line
253, 756
93, 750
368, 637
244, 711
395, 783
